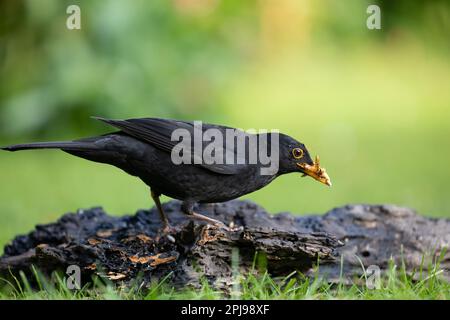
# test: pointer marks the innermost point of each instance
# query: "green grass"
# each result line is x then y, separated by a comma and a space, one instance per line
394, 284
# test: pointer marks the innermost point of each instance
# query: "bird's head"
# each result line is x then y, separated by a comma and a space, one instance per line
294, 157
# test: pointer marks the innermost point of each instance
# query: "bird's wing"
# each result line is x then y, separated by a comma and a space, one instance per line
158, 132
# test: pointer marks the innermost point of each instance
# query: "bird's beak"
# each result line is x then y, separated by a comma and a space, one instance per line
315, 171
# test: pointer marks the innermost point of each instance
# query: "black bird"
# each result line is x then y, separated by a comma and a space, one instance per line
143, 148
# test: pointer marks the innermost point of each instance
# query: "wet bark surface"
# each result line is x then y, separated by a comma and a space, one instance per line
121, 248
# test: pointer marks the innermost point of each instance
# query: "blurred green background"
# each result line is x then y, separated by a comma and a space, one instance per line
374, 104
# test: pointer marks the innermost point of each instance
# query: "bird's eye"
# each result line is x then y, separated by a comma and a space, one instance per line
297, 153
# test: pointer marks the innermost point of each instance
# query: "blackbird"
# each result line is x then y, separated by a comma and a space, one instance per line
144, 148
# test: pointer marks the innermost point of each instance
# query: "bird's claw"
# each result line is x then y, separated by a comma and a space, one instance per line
168, 229
167, 232
215, 223
231, 228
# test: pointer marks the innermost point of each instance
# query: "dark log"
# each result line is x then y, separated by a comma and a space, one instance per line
120, 248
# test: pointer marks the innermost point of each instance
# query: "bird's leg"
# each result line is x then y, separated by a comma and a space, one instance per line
188, 208
166, 226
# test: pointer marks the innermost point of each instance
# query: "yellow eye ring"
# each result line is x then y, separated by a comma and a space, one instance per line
297, 153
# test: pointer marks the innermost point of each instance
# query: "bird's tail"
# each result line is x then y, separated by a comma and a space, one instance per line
64, 145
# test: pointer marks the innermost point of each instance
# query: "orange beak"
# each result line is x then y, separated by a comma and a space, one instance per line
315, 171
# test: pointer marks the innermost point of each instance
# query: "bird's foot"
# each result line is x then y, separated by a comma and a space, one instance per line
215, 223
230, 228
167, 231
